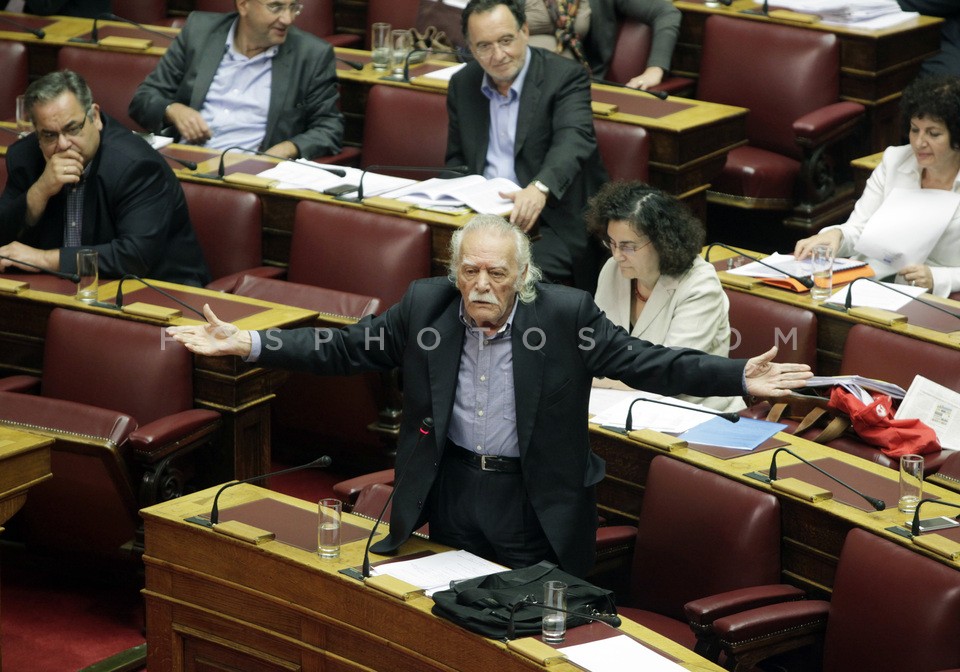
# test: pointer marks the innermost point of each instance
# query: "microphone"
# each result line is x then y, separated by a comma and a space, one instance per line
878, 504
806, 282
430, 50
848, 301
662, 95
460, 170
609, 619
72, 277
129, 276
113, 17
36, 32
320, 462
353, 64
189, 165
915, 526
729, 417
221, 169
94, 34
426, 427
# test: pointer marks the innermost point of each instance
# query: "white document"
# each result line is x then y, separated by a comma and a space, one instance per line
852, 382
651, 416
878, 23
906, 227
789, 264
872, 295
155, 141
435, 572
611, 655
936, 406
437, 191
445, 74
485, 198
303, 174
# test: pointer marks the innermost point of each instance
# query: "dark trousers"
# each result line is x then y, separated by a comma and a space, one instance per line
487, 513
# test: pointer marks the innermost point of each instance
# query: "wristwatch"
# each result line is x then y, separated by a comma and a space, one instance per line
541, 187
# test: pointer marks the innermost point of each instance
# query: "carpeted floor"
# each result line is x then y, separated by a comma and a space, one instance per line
53, 620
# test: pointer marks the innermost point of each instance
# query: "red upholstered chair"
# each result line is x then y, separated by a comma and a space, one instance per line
630, 53
118, 401
624, 149
3, 174
398, 13
878, 583
316, 18
701, 534
229, 228
345, 250
113, 77
794, 157
423, 117
14, 82
757, 324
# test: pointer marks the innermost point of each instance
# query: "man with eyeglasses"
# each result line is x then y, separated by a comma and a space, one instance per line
84, 180
246, 79
524, 113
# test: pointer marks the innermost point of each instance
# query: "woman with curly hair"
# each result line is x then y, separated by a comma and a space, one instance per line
930, 108
656, 286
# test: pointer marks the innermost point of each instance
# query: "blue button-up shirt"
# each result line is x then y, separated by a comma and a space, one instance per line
239, 98
504, 111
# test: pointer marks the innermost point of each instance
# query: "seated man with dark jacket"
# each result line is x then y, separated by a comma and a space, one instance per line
83, 180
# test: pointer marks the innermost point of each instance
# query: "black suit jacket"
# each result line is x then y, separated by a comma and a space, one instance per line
561, 341
555, 140
134, 211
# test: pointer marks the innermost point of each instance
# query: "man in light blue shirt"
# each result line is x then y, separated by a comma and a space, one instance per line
248, 79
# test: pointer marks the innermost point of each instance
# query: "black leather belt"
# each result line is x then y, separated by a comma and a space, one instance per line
504, 465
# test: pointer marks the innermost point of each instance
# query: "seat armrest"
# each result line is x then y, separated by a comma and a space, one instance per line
826, 124
611, 536
347, 491
165, 436
701, 613
752, 636
229, 283
22, 384
77, 423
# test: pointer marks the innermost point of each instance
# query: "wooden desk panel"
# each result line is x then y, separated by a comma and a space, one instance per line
277, 607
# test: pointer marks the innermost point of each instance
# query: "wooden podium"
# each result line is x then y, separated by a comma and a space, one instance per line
215, 602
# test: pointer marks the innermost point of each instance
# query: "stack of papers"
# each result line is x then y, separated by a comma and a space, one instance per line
843, 11
436, 572
654, 416
884, 295
787, 263
936, 406
859, 386
474, 191
303, 174
611, 653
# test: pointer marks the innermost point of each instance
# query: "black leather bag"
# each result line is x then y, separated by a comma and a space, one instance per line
484, 604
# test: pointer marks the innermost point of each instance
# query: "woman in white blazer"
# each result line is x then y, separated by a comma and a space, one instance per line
656, 286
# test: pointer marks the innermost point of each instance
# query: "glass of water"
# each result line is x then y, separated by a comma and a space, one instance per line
328, 528
554, 624
380, 45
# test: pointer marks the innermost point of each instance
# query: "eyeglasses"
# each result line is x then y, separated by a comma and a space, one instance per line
485, 49
71, 130
278, 8
626, 248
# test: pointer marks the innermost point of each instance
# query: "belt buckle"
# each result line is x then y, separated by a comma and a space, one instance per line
483, 464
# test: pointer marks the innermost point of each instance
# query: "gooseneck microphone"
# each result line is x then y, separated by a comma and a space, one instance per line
94, 34
320, 462
848, 301
662, 95
221, 168
915, 526
729, 417
406, 60
129, 276
426, 428
459, 170
609, 619
36, 32
356, 65
72, 277
189, 165
878, 504
806, 282
109, 16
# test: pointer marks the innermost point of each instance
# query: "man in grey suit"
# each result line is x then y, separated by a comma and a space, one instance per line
248, 79
503, 365
524, 114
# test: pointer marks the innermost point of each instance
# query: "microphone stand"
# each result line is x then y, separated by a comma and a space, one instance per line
221, 169
876, 503
356, 65
36, 32
763, 11
113, 17
848, 300
915, 526
129, 276
94, 35
628, 425
405, 77
72, 277
459, 170
806, 282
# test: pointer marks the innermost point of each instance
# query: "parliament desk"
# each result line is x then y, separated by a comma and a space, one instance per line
689, 139
24, 462
875, 65
834, 323
241, 392
813, 533
213, 601
862, 169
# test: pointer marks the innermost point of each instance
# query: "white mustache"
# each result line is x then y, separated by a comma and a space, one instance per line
485, 297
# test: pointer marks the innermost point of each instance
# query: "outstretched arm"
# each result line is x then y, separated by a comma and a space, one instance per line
766, 378
216, 338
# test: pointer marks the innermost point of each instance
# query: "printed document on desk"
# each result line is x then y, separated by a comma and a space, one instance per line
646, 415
788, 264
871, 295
303, 174
936, 406
745, 434
609, 654
884, 240
475, 191
435, 572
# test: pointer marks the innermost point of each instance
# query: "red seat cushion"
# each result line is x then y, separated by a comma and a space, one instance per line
757, 173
